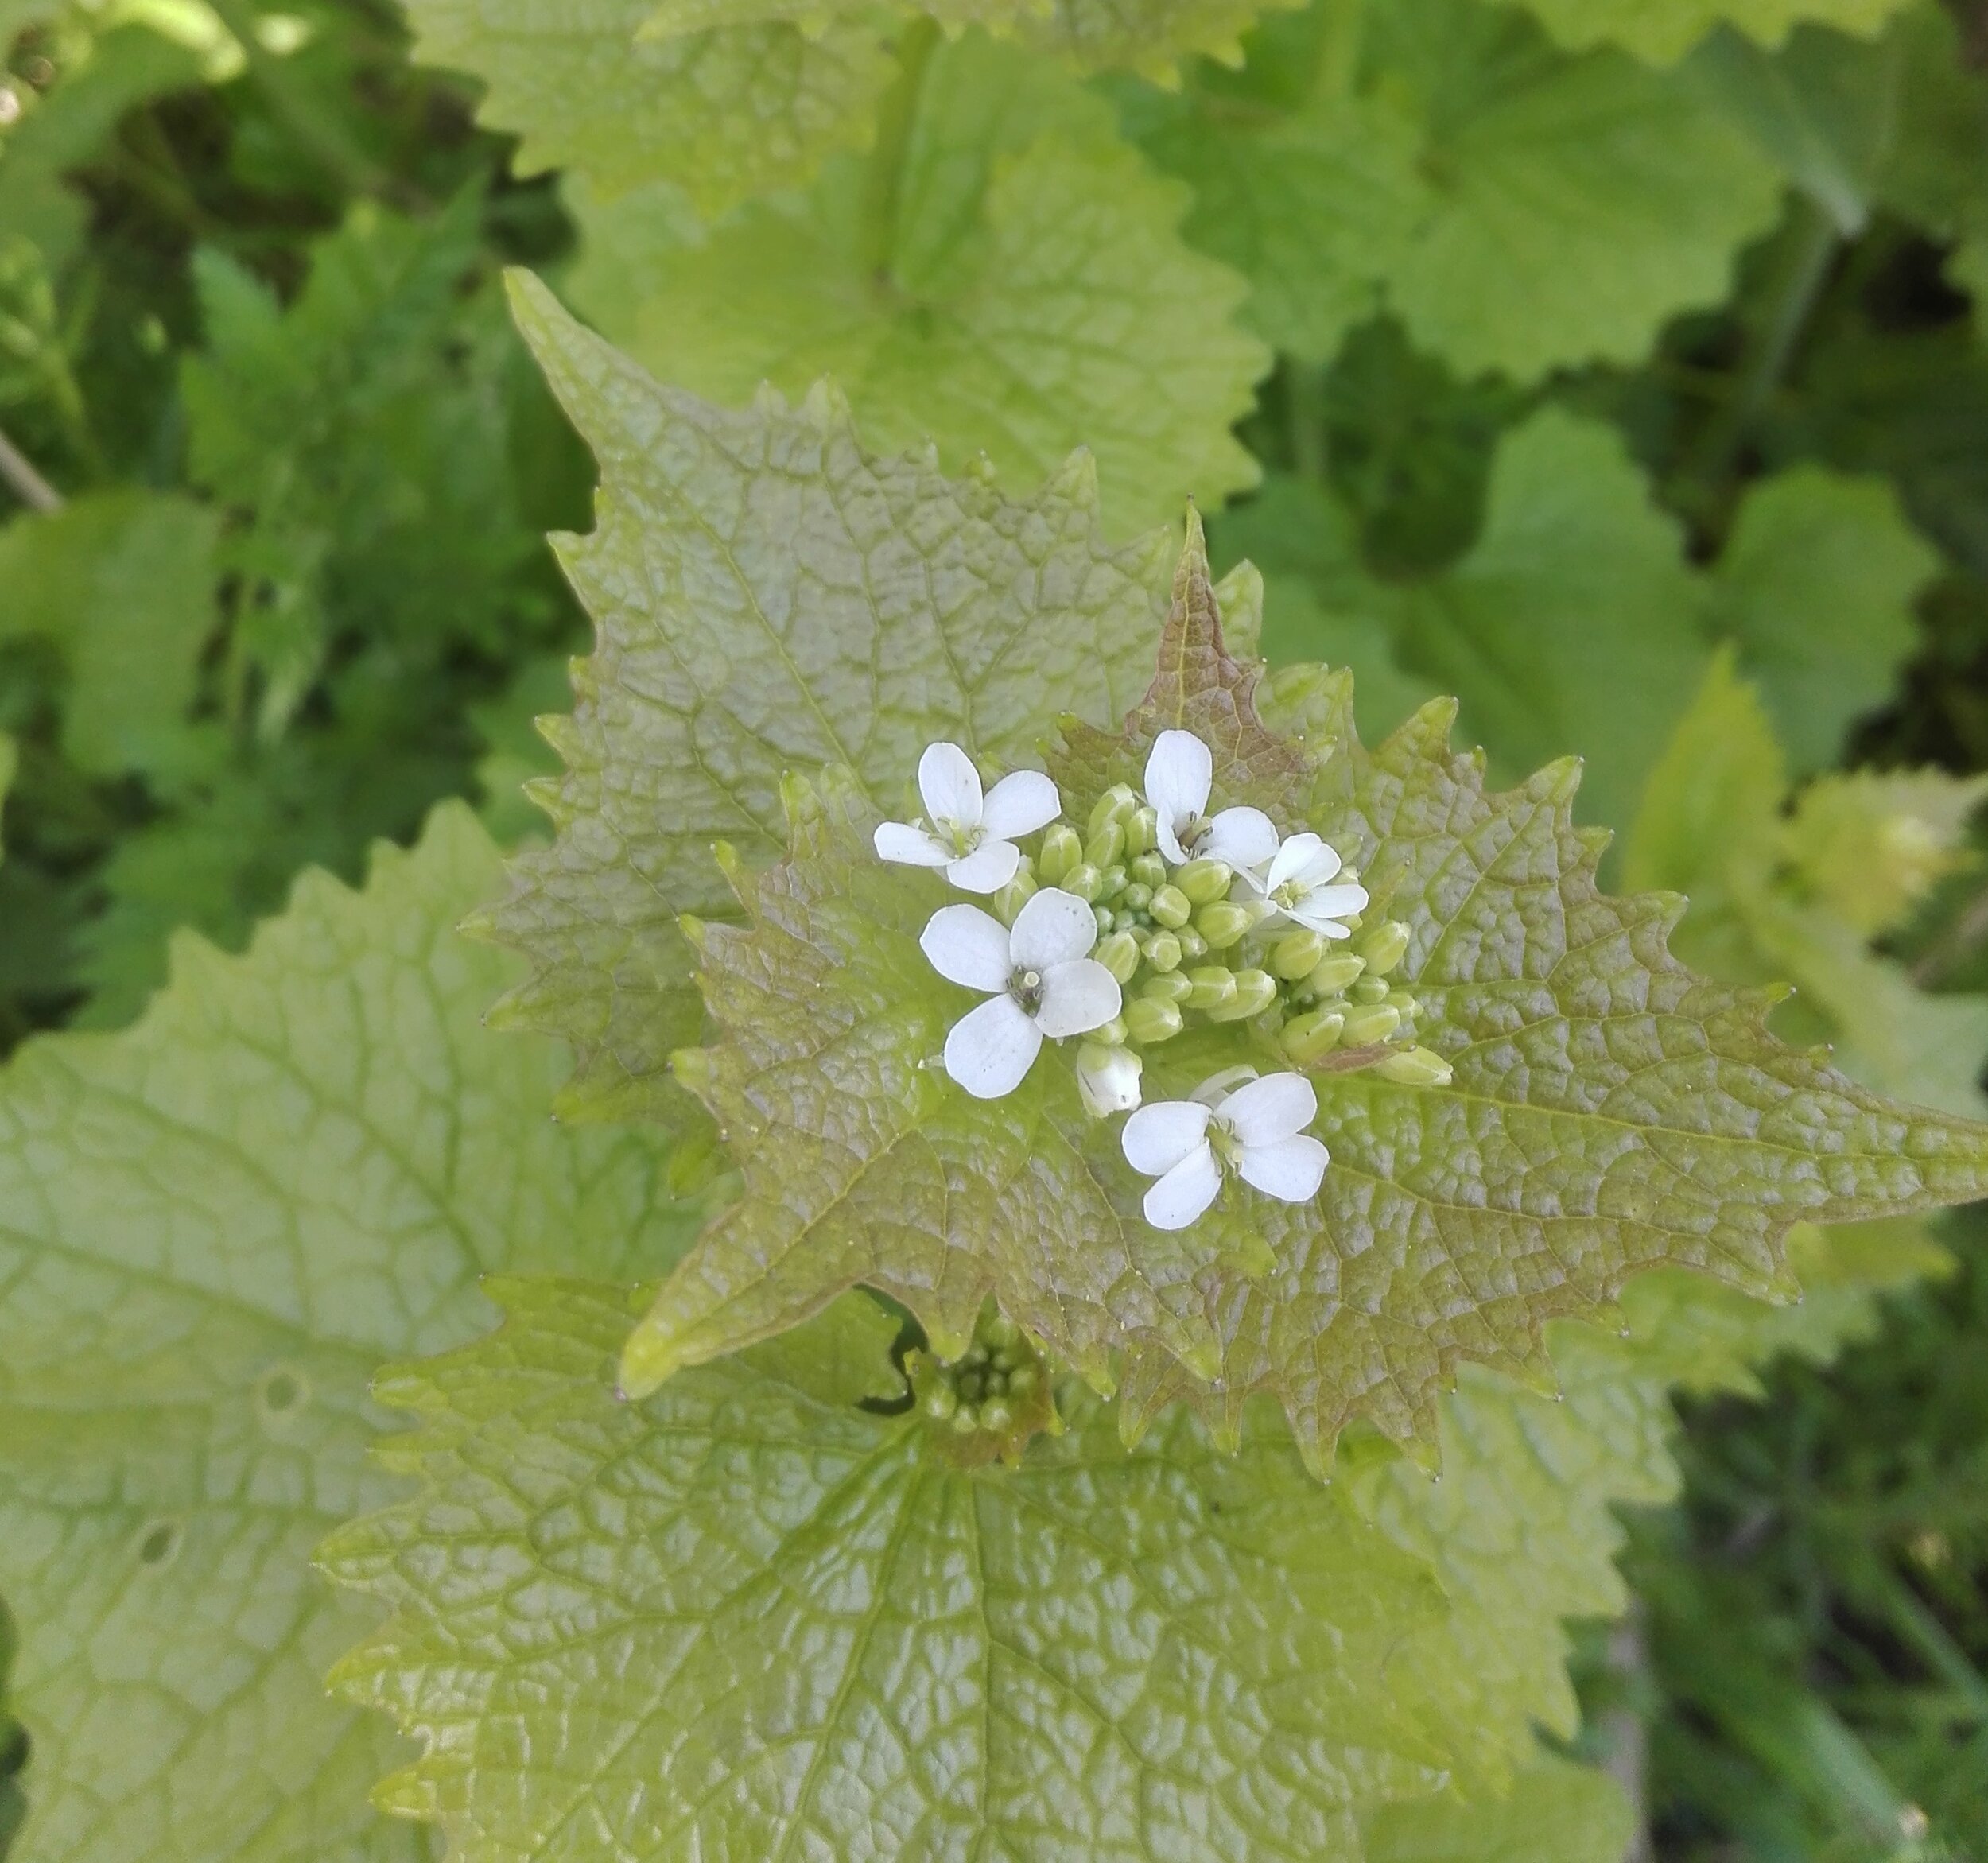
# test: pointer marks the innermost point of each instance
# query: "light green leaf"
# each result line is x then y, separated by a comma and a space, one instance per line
999, 274
1867, 844
1557, 1813
122, 584
1519, 209
1663, 31
725, 114
1816, 583
515, 753
219, 1224
769, 598
745, 1619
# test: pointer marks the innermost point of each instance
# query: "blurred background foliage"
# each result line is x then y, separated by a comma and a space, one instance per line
1617, 369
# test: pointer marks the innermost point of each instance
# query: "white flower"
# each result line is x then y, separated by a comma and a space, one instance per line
1108, 1078
972, 836
1257, 1131
1179, 773
1299, 884
1038, 979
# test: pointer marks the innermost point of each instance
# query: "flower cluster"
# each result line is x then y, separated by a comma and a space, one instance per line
1157, 917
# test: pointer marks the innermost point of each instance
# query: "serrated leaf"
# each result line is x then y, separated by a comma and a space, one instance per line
219, 1224
743, 1619
122, 584
1663, 33
725, 114
1519, 209
1816, 583
1001, 275
767, 597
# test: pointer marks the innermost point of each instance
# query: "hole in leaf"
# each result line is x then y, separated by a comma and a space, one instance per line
281, 1390
159, 1544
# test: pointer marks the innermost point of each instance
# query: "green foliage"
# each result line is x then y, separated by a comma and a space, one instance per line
1663, 34
221, 1222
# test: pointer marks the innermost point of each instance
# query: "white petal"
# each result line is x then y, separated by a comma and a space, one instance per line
991, 1048
1021, 802
1293, 858
1185, 1192
1052, 928
1178, 773
1169, 841
1110, 1084
1319, 908
1158, 1136
988, 868
1077, 997
967, 946
950, 784
1271, 1108
1245, 838
910, 846
1217, 1087
1292, 1168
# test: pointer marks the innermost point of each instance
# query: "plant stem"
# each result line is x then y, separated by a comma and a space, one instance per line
24, 481
883, 174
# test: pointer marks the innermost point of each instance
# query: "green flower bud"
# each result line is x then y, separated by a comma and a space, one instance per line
1369, 989
1192, 944
1105, 845
1111, 1033
1149, 870
1384, 947
1061, 851
1256, 990
998, 1331
1162, 951
965, 1420
1172, 907
1205, 881
1142, 833
1297, 954
941, 1401
1222, 924
997, 1417
1331, 974
1119, 954
1106, 920
1111, 883
1115, 805
1212, 988
1416, 1067
1136, 898
1085, 881
1374, 1023
1170, 986
1311, 1038
1148, 1020
1403, 1001
1021, 1381
1010, 900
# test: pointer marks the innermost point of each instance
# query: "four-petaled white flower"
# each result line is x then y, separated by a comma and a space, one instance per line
1179, 774
972, 836
1039, 976
1256, 1130
1298, 883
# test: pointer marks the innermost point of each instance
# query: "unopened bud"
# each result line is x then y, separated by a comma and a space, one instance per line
1415, 1067
996, 1416
1369, 989
1374, 1023
1384, 946
1085, 881
1142, 831
1170, 986
1332, 975
1172, 907
1111, 883
1149, 870
1010, 900
941, 1401
1135, 898
1061, 851
1162, 951
1106, 920
1104, 846
1148, 1020
1256, 990
1222, 924
1403, 1001
1115, 805
1210, 989
1021, 1381
1192, 944
1108, 1078
1310, 1037
965, 1420
1205, 881
1111, 1034
1119, 954
1297, 955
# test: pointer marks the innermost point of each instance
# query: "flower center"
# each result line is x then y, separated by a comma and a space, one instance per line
1290, 894
1226, 1146
1188, 830
1026, 987
957, 836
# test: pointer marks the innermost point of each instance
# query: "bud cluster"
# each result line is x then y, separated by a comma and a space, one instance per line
1198, 944
989, 1401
